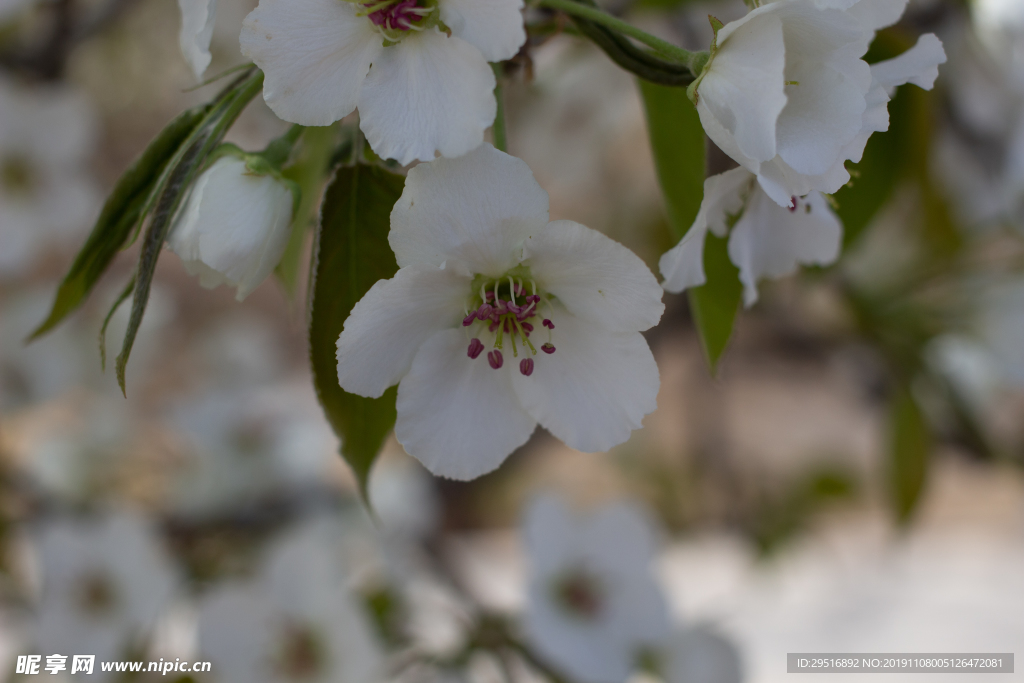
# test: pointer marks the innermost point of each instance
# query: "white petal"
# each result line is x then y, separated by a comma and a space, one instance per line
478, 209
495, 27
918, 65
595, 277
457, 415
429, 93
549, 531
724, 195
595, 389
197, 17
770, 241
878, 14
782, 183
743, 88
827, 84
234, 227
392, 320
315, 54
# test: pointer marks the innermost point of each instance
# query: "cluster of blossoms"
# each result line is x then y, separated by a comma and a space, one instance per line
512, 319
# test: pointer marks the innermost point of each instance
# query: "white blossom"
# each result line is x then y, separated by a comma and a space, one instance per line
197, 19
416, 69
765, 240
234, 226
46, 136
104, 584
593, 604
787, 95
296, 621
514, 320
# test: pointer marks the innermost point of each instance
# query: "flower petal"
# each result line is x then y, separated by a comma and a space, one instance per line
878, 14
770, 241
724, 195
743, 87
594, 277
315, 54
918, 65
595, 389
197, 17
699, 655
456, 415
479, 209
391, 321
495, 27
549, 530
428, 93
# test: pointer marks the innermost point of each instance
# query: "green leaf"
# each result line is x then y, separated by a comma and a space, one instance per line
310, 170
677, 141
121, 213
715, 303
352, 253
171, 189
910, 445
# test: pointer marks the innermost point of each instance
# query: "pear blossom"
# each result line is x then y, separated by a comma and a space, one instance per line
416, 69
499, 319
765, 240
46, 195
593, 604
197, 19
234, 226
789, 97
697, 654
105, 582
297, 620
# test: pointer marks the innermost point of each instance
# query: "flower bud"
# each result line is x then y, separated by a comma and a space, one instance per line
234, 227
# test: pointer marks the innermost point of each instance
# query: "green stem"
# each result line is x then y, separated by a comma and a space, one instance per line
278, 151
665, 48
498, 129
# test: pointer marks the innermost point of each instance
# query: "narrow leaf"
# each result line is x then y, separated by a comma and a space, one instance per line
172, 188
121, 213
715, 303
910, 444
677, 141
352, 253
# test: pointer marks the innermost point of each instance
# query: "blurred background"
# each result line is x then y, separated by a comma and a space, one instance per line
850, 480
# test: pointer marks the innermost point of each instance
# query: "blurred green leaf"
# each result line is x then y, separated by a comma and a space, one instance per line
311, 170
677, 141
352, 253
172, 187
716, 302
121, 213
910, 445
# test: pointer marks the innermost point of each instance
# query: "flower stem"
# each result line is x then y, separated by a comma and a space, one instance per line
662, 47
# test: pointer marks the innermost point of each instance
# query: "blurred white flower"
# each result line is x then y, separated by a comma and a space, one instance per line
430, 88
766, 239
788, 96
197, 20
105, 581
46, 195
404, 499
698, 655
296, 621
244, 444
593, 603
480, 261
234, 227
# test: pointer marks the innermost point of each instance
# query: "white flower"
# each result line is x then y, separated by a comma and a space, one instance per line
699, 655
234, 226
788, 96
419, 89
46, 195
197, 19
297, 621
766, 239
104, 583
498, 320
593, 603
